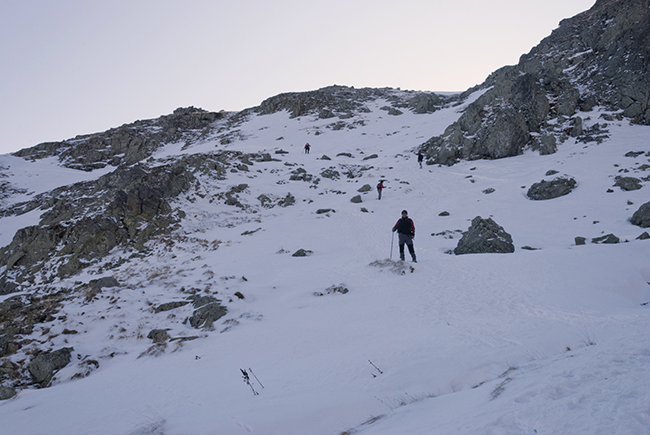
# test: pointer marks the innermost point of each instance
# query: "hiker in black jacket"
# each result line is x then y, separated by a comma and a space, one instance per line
406, 233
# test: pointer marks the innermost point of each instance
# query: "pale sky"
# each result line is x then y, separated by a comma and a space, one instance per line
70, 67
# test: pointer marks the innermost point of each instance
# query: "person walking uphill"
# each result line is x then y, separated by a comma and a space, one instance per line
380, 187
406, 232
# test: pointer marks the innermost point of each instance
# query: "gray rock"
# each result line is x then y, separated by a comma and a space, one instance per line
302, 253
6, 393
287, 201
331, 173
167, 306
628, 183
576, 127
107, 281
551, 189
201, 301
641, 217
46, 364
392, 111
608, 239
158, 335
342, 289
356, 199
644, 236
484, 236
547, 145
8, 345
580, 240
207, 315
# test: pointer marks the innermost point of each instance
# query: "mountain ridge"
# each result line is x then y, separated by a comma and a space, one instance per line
174, 235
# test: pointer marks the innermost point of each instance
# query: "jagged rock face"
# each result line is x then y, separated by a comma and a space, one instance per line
597, 58
127, 144
484, 236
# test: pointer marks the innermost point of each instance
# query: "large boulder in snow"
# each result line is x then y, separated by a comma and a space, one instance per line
641, 217
551, 189
628, 183
484, 236
6, 393
45, 364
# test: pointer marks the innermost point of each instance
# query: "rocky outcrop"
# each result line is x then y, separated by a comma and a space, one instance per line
125, 145
551, 189
19, 315
85, 221
344, 102
484, 236
597, 58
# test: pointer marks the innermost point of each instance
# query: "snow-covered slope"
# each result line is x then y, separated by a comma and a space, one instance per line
549, 339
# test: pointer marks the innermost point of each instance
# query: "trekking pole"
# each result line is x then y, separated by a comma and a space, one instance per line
391, 245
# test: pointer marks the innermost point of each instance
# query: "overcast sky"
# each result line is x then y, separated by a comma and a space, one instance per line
70, 67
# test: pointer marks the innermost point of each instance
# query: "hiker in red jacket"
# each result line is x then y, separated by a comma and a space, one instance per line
406, 232
307, 148
380, 187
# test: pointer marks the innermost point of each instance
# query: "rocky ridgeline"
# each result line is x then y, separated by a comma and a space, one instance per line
344, 102
128, 144
597, 58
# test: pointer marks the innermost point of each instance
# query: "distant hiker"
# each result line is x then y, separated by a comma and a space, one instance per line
406, 233
307, 148
420, 158
380, 187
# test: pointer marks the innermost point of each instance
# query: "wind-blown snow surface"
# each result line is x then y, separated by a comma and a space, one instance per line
546, 341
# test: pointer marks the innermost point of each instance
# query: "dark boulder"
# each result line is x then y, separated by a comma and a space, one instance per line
6, 393
208, 310
628, 183
607, 239
46, 364
641, 217
551, 189
484, 236
158, 335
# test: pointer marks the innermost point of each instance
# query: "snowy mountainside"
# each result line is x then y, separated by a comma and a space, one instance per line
549, 339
